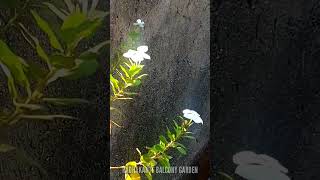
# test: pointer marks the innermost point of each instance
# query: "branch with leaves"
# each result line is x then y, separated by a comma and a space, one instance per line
126, 68
158, 153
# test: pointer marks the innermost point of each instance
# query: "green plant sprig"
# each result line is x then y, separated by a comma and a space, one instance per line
157, 154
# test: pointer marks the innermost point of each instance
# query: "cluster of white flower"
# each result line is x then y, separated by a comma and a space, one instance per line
138, 55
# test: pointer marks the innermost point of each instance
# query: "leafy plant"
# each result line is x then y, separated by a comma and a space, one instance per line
125, 74
27, 80
158, 153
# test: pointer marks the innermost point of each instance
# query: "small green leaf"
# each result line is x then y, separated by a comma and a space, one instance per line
190, 137
14, 64
73, 20
181, 150
163, 140
136, 83
44, 26
6, 148
164, 162
125, 71
170, 135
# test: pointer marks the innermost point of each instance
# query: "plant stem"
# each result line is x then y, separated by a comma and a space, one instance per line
16, 115
120, 167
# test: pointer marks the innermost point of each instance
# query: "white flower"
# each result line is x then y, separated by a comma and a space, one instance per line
192, 115
139, 23
259, 167
138, 55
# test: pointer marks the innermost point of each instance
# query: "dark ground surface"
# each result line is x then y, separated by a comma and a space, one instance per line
265, 83
67, 150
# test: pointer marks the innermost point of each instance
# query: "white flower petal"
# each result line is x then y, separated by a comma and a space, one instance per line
192, 115
142, 49
139, 21
129, 53
137, 58
146, 56
190, 112
271, 162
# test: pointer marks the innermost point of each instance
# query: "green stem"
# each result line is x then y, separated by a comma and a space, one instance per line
16, 115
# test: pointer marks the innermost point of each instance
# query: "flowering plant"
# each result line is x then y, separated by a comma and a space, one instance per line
124, 77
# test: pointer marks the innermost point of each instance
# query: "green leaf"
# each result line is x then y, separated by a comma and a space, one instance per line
114, 82
164, 161
181, 150
65, 101
73, 35
163, 140
6, 148
60, 61
190, 137
84, 68
73, 20
47, 117
11, 85
136, 83
141, 76
40, 51
44, 26
35, 71
159, 148
55, 10
31, 107
15, 65
124, 70
170, 135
